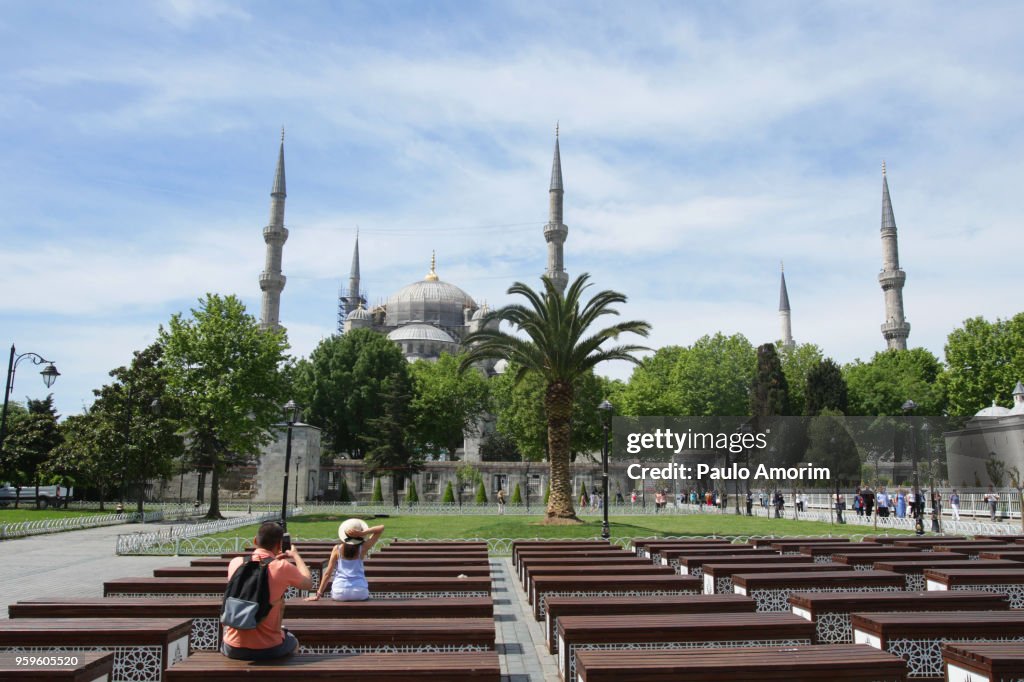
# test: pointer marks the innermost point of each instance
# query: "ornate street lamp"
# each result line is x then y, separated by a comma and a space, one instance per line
291, 415
932, 463
607, 409
49, 375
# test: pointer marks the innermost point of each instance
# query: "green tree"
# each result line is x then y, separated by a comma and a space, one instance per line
830, 444
825, 389
984, 362
651, 390
797, 362
411, 496
88, 453
712, 377
390, 451
467, 475
344, 494
378, 495
497, 447
449, 494
560, 346
446, 403
517, 495
224, 372
481, 494
881, 386
30, 440
135, 408
343, 383
769, 394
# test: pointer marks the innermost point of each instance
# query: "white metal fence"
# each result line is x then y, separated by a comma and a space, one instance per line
168, 540
43, 526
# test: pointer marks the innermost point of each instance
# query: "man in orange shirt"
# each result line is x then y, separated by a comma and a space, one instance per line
268, 640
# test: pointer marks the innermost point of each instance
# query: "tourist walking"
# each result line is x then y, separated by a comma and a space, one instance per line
501, 500
954, 504
992, 497
869, 501
901, 503
882, 500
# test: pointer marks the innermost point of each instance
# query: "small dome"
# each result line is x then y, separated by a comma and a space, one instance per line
479, 314
359, 313
1018, 408
1018, 389
501, 366
993, 411
420, 332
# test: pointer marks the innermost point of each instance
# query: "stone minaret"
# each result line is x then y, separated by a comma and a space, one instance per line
275, 235
351, 298
784, 319
555, 231
895, 329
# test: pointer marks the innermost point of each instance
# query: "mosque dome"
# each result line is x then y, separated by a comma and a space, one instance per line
429, 301
993, 411
501, 366
420, 332
359, 313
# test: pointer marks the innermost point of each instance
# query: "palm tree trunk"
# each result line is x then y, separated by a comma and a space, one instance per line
558, 407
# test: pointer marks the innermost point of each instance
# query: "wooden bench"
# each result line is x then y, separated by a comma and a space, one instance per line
142, 647
1006, 554
598, 554
653, 631
769, 541
983, 661
793, 546
913, 571
830, 611
205, 634
692, 564
1009, 581
557, 607
474, 544
971, 550
59, 667
649, 549
392, 667
380, 588
386, 635
526, 563
568, 545
866, 561
372, 568
928, 542
595, 569
918, 637
545, 586
771, 590
839, 662
718, 577
826, 552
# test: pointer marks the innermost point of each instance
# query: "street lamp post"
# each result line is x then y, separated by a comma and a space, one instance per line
291, 416
49, 374
607, 409
298, 465
908, 409
932, 463
744, 429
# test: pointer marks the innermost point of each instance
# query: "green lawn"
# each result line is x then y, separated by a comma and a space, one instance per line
324, 526
12, 515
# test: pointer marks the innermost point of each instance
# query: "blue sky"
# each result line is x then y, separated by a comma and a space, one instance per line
702, 143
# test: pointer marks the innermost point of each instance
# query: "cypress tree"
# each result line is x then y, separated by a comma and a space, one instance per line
378, 495
449, 494
481, 494
344, 494
517, 496
769, 395
411, 496
826, 389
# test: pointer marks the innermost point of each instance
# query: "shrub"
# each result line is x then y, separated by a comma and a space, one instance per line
481, 494
344, 494
411, 496
378, 495
449, 494
517, 496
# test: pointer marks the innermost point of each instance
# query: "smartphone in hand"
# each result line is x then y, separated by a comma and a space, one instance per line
286, 542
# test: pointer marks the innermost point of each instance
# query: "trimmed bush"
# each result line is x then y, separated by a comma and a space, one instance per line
411, 496
517, 496
547, 493
481, 494
449, 494
378, 495
344, 494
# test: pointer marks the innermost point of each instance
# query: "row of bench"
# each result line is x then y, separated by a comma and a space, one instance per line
797, 601
167, 627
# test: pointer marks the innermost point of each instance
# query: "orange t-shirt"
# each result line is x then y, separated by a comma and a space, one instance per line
282, 575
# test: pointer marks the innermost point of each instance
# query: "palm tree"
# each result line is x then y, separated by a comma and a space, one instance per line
557, 347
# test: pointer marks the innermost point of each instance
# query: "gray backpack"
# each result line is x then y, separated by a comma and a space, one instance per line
247, 597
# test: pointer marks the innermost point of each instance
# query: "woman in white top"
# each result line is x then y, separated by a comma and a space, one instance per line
345, 567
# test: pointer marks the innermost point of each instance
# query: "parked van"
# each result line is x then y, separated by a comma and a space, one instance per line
49, 495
